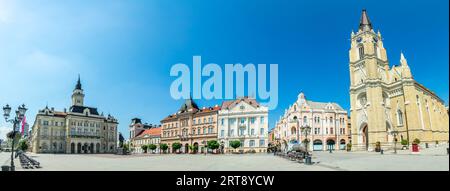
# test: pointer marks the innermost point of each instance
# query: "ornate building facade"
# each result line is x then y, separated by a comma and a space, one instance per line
144, 134
327, 122
244, 120
190, 126
80, 129
387, 101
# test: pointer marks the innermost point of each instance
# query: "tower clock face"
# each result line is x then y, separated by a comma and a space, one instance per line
359, 39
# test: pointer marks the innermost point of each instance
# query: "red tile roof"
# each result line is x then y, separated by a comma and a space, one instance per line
151, 132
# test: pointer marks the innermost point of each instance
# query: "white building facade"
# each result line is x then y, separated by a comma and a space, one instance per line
243, 120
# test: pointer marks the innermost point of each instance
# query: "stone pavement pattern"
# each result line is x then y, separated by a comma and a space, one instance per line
434, 159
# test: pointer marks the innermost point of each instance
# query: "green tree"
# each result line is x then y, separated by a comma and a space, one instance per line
152, 147
213, 144
235, 144
176, 146
144, 148
23, 145
126, 147
163, 147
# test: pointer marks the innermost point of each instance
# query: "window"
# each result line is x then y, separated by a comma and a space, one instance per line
331, 130
252, 143
222, 121
305, 120
232, 132
222, 132
242, 120
262, 143
252, 120
399, 117
261, 131
262, 119
361, 52
241, 131
45, 122
253, 132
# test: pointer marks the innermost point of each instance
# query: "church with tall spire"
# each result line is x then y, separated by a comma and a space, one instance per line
387, 104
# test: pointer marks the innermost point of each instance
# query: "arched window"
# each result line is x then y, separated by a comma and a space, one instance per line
399, 117
361, 52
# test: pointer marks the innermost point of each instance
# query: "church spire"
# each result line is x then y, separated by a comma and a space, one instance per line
78, 86
364, 23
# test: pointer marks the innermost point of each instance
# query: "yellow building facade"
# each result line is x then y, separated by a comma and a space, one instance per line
387, 104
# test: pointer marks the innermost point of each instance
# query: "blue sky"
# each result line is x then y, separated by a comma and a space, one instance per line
124, 49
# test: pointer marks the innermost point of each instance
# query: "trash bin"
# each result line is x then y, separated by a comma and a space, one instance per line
5, 168
308, 160
381, 151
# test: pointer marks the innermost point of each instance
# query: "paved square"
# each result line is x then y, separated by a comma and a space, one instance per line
434, 159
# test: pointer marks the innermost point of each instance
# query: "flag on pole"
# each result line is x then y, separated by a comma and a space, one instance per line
24, 121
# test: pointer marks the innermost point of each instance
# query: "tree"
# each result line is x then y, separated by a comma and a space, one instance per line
126, 147
213, 144
235, 144
144, 148
152, 147
23, 145
163, 147
176, 146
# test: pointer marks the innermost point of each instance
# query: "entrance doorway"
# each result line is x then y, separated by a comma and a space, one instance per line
365, 136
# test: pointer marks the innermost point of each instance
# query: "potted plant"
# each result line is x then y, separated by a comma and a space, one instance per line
349, 147
377, 146
415, 145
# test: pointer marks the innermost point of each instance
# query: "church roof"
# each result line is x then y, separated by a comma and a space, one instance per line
364, 23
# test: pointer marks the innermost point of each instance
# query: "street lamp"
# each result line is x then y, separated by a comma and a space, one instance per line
306, 129
395, 133
20, 113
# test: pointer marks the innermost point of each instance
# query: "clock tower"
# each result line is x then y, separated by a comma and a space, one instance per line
369, 71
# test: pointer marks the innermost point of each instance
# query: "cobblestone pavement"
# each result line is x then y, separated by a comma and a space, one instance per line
434, 159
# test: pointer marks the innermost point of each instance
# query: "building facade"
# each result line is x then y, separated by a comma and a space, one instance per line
144, 134
80, 129
243, 120
190, 126
386, 101
327, 121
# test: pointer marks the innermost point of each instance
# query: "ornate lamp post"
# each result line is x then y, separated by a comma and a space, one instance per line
305, 130
20, 113
395, 133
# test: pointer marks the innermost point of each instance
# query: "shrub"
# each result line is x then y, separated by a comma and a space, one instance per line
163, 147
235, 144
416, 141
152, 147
176, 146
404, 142
213, 144
23, 145
349, 146
144, 148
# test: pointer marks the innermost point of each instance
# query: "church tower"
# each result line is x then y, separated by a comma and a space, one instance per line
78, 95
369, 72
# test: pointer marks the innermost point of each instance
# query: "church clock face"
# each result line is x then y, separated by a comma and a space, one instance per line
359, 39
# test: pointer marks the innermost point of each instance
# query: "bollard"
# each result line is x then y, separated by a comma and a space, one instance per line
5, 168
308, 160
381, 151
447, 150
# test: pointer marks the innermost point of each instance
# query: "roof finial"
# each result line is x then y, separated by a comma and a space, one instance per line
78, 86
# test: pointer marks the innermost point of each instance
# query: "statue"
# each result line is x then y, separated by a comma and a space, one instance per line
121, 139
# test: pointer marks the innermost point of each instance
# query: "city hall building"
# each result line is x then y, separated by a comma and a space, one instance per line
327, 122
80, 129
386, 101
